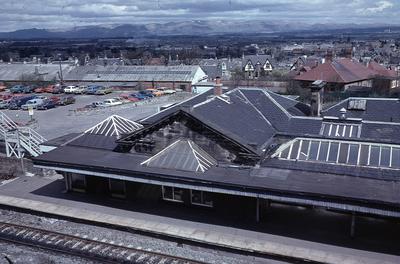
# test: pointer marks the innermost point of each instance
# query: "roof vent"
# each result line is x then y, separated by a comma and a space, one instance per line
343, 112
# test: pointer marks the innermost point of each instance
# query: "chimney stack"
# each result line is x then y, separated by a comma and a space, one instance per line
317, 89
218, 86
329, 56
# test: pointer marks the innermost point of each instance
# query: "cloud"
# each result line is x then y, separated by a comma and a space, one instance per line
55, 14
378, 8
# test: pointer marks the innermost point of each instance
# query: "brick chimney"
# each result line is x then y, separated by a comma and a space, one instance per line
317, 89
218, 86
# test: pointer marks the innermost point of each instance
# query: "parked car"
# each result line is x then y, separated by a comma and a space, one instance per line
55, 99
147, 93
17, 88
139, 96
18, 101
92, 89
40, 97
2, 87
48, 88
103, 90
4, 104
169, 91
98, 104
156, 92
70, 89
66, 100
47, 104
129, 97
29, 88
39, 90
33, 103
58, 89
111, 102
80, 89
6, 96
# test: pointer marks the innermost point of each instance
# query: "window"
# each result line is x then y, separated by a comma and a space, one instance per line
78, 182
117, 188
341, 152
353, 154
201, 198
323, 152
172, 194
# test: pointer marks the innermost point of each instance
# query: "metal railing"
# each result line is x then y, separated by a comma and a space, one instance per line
17, 136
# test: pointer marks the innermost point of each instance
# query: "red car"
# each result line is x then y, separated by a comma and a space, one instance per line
39, 90
55, 99
6, 96
129, 98
48, 89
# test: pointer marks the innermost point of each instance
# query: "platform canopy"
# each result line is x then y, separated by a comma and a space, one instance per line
183, 154
114, 126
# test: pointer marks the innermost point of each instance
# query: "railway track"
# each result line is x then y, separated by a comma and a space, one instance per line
84, 247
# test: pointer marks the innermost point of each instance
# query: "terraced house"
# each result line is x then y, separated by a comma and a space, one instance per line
248, 147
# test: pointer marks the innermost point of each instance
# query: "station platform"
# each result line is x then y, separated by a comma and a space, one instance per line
20, 193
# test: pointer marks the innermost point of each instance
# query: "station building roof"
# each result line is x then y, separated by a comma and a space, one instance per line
348, 163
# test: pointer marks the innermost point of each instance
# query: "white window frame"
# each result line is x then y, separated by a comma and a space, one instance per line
201, 198
336, 161
173, 194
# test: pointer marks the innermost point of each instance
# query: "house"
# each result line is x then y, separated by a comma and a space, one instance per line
248, 146
304, 64
340, 74
256, 66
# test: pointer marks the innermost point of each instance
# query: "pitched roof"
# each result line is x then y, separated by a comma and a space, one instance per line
114, 126
338, 71
382, 70
257, 58
182, 73
376, 109
184, 155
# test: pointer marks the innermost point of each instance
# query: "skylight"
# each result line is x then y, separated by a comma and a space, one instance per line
345, 130
114, 126
357, 104
341, 152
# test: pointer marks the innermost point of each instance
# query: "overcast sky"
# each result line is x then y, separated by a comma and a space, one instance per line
21, 14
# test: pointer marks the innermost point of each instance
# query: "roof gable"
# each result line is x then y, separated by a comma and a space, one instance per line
114, 126
184, 155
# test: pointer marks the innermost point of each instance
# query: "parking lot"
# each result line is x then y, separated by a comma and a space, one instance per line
72, 118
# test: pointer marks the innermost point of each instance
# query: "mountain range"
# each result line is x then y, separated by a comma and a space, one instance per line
186, 28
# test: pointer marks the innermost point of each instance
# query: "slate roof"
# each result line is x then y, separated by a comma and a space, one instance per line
46, 72
257, 58
377, 109
338, 71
